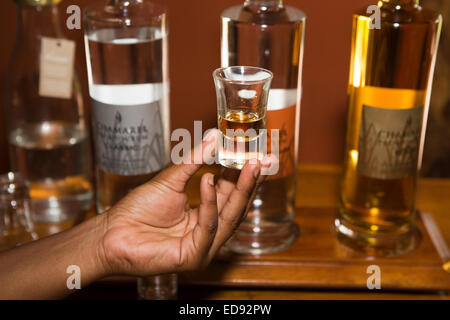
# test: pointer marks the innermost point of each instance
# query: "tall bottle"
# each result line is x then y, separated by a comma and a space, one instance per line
127, 59
270, 35
46, 120
389, 91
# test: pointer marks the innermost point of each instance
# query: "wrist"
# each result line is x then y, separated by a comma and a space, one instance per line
99, 228
88, 239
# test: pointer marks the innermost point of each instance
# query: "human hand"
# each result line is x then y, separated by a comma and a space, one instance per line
153, 230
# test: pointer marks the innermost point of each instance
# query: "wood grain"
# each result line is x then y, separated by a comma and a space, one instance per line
318, 260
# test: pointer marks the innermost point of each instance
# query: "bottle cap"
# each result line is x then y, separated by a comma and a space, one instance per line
37, 3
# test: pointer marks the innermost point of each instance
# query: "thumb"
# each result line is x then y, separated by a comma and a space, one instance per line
177, 176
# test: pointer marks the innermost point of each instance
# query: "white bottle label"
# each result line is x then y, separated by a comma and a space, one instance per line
129, 140
281, 98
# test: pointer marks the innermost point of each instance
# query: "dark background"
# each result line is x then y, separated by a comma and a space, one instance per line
194, 54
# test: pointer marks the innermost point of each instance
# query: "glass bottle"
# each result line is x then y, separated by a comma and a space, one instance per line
391, 74
126, 45
269, 35
127, 58
46, 121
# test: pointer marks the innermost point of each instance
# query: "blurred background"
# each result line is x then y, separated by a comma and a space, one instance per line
194, 54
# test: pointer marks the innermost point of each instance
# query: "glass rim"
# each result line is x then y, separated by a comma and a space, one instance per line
12, 177
12, 183
216, 74
160, 15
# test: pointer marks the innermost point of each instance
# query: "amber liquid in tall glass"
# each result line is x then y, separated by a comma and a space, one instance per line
391, 69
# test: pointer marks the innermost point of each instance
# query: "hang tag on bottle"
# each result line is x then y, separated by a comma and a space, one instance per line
56, 68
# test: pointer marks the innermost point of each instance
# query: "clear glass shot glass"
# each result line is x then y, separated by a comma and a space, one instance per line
242, 95
160, 287
16, 226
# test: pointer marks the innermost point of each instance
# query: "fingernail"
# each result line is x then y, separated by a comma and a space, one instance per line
211, 180
257, 171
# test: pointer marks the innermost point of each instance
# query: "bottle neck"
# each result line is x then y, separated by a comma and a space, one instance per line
35, 22
264, 12
123, 3
265, 3
400, 2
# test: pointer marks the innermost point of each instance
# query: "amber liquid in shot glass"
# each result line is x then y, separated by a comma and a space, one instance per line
246, 138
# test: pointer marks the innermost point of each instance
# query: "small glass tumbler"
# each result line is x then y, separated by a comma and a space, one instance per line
160, 287
16, 227
242, 94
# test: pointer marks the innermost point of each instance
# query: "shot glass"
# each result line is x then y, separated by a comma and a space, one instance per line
16, 226
242, 94
160, 287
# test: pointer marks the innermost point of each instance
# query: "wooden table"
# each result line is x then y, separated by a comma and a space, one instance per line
317, 191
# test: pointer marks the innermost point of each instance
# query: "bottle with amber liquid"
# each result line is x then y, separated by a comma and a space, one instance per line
391, 74
47, 123
268, 34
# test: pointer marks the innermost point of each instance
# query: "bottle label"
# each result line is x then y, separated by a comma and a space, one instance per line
281, 115
389, 142
56, 68
129, 140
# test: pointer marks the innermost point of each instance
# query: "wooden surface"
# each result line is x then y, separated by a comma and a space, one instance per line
329, 270
318, 187
318, 260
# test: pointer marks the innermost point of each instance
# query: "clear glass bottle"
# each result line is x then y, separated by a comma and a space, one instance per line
127, 57
269, 35
126, 45
391, 74
46, 121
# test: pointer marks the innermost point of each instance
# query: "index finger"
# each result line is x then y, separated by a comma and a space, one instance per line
227, 182
234, 208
